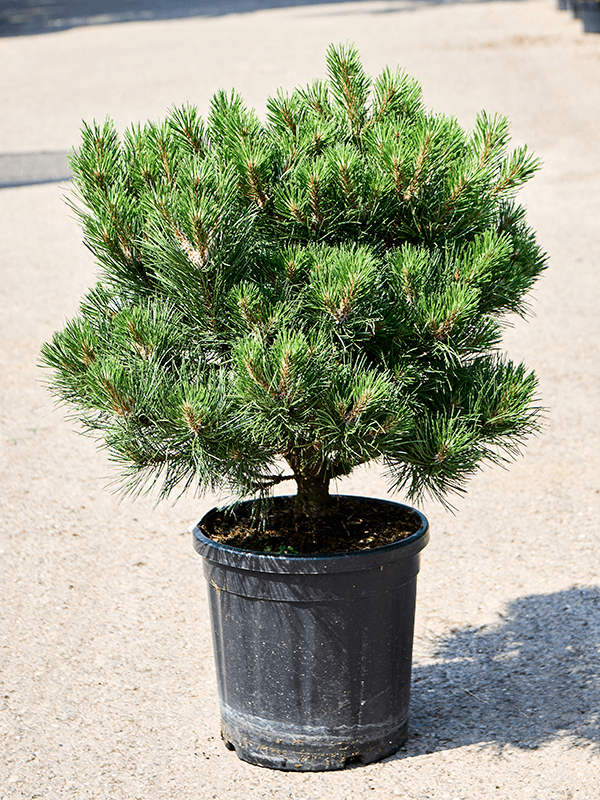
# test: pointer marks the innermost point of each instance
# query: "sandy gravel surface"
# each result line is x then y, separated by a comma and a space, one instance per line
107, 683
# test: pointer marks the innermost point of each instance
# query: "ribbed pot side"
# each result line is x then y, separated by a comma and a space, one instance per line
313, 653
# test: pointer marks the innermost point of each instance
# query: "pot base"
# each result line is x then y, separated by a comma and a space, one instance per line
304, 749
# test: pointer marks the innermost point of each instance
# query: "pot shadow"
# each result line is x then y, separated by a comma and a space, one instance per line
29, 17
526, 681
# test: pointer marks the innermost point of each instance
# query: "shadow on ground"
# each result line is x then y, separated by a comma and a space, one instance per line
22, 169
27, 17
531, 678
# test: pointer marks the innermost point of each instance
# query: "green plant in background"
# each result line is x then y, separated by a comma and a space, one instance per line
294, 298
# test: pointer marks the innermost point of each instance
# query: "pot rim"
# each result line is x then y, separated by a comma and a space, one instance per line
341, 561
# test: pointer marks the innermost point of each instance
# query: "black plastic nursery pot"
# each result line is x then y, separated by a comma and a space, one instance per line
313, 653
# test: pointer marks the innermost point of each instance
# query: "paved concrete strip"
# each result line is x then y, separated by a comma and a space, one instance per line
21, 169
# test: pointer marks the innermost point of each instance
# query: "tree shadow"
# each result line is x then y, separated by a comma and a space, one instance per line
523, 682
29, 17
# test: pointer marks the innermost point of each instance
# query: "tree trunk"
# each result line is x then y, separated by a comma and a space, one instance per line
312, 498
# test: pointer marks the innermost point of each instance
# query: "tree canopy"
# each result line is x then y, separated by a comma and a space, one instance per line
321, 289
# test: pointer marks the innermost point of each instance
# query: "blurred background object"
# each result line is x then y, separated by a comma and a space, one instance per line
588, 11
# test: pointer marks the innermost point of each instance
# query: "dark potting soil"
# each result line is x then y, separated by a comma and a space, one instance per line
349, 525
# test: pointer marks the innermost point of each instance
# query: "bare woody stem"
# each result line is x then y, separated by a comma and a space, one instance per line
312, 498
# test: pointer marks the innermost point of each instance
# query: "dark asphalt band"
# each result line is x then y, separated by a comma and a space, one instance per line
22, 169
27, 17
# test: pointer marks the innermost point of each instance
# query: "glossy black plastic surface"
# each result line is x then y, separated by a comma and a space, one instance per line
313, 653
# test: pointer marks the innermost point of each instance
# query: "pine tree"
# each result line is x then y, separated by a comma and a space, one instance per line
294, 298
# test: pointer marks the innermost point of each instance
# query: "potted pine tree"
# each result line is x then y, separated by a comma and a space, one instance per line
285, 301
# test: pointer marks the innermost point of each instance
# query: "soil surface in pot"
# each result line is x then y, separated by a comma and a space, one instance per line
349, 525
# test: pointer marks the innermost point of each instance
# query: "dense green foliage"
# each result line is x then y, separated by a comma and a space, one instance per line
323, 289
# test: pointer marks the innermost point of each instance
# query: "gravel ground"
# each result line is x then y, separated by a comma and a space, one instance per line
107, 685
